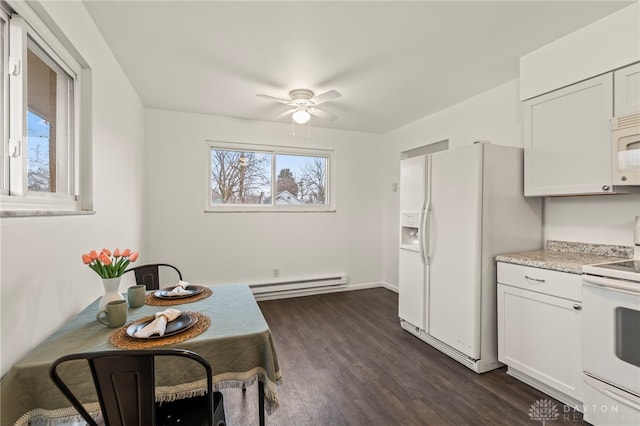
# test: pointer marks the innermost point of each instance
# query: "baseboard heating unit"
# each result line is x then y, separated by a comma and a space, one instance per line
302, 285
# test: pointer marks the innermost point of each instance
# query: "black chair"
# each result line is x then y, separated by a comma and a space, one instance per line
149, 274
125, 385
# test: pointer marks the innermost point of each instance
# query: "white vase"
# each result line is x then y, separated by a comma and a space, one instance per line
111, 291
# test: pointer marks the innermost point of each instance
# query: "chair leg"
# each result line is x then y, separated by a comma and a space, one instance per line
261, 403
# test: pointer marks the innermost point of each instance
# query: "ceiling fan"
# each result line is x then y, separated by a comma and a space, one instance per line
304, 104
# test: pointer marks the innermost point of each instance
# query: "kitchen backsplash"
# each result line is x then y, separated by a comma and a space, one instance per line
589, 248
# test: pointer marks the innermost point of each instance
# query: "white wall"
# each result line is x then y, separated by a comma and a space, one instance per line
43, 280
222, 248
496, 115
609, 43
598, 219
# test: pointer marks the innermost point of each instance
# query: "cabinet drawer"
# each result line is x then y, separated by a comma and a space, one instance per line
553, 283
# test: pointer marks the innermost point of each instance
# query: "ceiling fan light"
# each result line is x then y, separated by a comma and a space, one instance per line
301, 115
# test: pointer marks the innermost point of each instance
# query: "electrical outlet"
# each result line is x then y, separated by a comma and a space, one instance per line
276, 272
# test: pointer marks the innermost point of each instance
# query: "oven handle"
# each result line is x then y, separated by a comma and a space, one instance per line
615, 285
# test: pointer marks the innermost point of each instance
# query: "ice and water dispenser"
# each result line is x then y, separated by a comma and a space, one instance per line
410, 224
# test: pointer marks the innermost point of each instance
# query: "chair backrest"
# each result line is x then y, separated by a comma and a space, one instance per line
125, 384
149, 274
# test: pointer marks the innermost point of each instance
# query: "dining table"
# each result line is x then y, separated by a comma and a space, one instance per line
230, 332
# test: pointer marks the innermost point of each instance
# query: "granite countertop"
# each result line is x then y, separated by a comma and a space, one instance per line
566, 256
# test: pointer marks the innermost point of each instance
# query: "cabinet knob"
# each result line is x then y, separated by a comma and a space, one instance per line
623, 178
577, 307
605, 187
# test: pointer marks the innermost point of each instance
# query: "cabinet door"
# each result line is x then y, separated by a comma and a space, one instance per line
626, 83
567, 139
540, 336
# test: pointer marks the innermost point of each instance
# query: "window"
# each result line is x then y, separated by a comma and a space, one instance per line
4, 99
260, 178
40, 110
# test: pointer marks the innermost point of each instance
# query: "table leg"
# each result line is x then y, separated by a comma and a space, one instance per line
261, 402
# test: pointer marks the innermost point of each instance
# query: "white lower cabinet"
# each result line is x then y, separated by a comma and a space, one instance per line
540, 329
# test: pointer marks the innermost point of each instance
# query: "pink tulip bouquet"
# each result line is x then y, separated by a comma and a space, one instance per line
107, 265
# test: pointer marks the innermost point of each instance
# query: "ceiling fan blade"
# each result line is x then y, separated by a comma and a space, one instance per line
273, 98
284, 114
322, 114
325, 97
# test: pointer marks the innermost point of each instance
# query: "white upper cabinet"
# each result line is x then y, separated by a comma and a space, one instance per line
567, 139
626, 84
571, 89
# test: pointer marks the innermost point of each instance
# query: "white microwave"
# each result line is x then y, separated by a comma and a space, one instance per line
625, 141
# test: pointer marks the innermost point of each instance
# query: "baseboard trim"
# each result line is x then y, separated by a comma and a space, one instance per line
315, 291
392, 287
543, 387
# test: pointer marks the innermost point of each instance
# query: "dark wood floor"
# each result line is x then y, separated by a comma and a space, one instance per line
346, 361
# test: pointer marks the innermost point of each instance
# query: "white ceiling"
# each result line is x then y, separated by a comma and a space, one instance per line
394, 62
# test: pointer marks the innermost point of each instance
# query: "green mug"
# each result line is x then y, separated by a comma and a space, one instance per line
115, 314
136, 295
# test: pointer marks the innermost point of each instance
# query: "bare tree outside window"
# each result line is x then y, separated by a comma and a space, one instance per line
313, 182
239, 177
39, 170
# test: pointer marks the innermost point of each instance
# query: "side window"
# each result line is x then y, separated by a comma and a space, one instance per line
4, 99
40, 118
49, 124
261, 178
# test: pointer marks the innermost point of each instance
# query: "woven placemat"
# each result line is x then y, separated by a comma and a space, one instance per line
121, 339
152, 300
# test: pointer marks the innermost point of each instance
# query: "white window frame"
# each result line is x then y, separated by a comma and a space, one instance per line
4, 103
328, 206
25, 27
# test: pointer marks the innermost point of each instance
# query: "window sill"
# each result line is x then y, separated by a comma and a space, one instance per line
31, 213
268, 211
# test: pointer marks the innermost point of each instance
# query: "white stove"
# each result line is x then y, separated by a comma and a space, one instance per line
611, 342
628, 270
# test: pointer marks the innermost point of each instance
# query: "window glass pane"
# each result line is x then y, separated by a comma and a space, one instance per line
240, 177
38, 155
48, 113
301, 179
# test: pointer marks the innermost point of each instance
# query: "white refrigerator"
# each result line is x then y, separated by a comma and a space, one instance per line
459, 209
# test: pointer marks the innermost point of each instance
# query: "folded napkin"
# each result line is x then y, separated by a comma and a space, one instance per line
179, 289
158, 325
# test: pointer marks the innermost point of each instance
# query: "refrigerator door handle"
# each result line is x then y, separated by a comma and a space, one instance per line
423, 213
426, 232
426, 229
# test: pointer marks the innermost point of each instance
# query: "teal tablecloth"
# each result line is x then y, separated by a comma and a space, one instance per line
238, 345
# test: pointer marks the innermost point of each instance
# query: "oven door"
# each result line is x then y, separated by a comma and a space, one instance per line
611, 331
